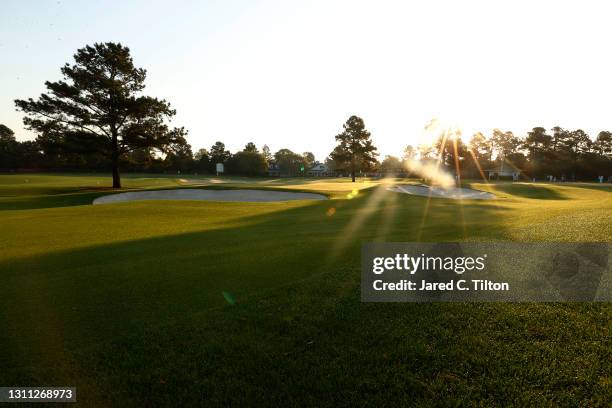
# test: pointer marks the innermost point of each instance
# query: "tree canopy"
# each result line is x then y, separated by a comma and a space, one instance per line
355, 149
98, 106
289, 162
250, 147
218, 153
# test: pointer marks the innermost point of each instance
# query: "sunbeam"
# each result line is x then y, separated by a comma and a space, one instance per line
388, 216
371, 206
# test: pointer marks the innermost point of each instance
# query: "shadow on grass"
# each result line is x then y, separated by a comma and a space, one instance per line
85, 195
590, 186
535, 191
69, 313
47, 201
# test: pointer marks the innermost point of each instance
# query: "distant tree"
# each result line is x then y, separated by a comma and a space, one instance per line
355, 147
538, 145
481, 147
537, 139
451, 150
201, 154
248, 163
99, 107
250, 147
517, 159
575, 144
266, 153
8, 148
558, 134
179, 156
6, 133
140, 159
427, 151
332, 165
479, 156
202, 160
603, 144
309, 159
391, 165
289, 163
28, 155
218, 154
409, 153
504, 143
335, 164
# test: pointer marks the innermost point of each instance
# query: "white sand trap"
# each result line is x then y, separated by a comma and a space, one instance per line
454, 193
209, 195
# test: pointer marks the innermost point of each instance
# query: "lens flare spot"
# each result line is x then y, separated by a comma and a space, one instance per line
229, 298
331, 211
352, 194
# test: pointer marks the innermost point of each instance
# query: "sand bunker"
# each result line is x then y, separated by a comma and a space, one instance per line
454, 193
209, 195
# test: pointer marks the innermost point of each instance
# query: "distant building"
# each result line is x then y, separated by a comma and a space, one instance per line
317, 170
273, 170
320, 170
504, 171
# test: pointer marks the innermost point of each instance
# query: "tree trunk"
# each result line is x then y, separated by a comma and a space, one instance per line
353, 169
116, 176
115, 164
353, 175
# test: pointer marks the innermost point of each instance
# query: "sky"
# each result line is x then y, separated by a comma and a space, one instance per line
289, 73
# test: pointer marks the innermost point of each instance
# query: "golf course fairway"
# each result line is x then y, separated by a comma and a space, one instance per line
166, 303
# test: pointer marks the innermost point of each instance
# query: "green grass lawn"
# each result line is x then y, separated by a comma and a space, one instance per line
184, 303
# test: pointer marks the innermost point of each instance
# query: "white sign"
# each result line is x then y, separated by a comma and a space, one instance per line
219, 167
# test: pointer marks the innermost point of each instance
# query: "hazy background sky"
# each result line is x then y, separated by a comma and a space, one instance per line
289, 73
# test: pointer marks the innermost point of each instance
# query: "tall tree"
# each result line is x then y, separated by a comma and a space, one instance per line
355, 146
309, 158
180, 156
558, 134
538, 144
603, 144
537, 140
8, 148
266, 153
575, 144
289, 162
248, 163
6, 133
202, 160
250, 147
202, 154
99, 106
391, 165
504, 143
481, 147
452, 152
218, 154
427, 151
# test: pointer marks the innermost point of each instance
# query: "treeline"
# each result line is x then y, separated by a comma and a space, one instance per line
51, 154
561, 153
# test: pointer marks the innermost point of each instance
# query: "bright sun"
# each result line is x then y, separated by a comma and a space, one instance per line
436, 129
